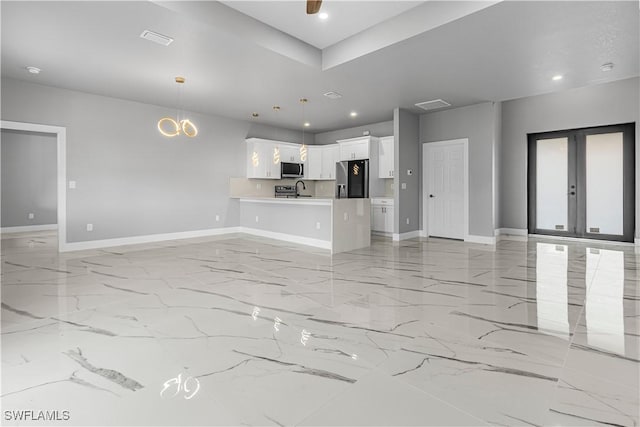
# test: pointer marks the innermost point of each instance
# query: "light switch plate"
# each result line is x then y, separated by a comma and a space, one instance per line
404, 185
257, 219
346, 216
72, 184
317, 226
217, 218
89, 227
31, 215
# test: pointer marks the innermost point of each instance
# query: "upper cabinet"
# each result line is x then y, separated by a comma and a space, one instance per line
385, 157
289, 153
330, 154
321, 164
263, 158
313, 166
355, 148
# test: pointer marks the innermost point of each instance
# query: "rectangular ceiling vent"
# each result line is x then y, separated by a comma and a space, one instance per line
156, 37
433, 105
333, 95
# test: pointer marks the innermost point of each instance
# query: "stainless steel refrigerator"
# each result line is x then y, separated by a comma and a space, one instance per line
352, 179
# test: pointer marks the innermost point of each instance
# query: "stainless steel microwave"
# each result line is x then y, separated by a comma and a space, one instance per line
292, 170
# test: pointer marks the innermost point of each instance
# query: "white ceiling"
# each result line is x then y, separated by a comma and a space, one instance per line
505, 51
346, 17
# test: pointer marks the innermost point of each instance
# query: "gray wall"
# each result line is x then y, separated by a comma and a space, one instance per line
497, 164
131, 180
478, 124
375, 129
406, 131
605, 104
29, 178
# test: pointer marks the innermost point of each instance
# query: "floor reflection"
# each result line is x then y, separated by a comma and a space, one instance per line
551, 289
604, 311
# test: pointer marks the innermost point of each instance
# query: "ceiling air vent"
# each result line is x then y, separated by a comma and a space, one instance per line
333, 95
433, 105
156, 37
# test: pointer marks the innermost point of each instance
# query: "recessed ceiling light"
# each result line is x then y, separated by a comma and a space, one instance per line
556, 77
156, 37
307, 124
33, 70
607, 67
323, 15
353, 114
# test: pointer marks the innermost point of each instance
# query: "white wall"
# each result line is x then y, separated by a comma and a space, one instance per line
604, 104
478, 124
29, 176
132, 181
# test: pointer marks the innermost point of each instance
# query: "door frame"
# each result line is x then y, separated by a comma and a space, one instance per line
61, 138
426, 146
575, 137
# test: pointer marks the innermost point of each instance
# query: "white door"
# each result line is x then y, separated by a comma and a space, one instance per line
445, 190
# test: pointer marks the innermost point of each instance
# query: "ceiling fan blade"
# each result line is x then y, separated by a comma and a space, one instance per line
313, 6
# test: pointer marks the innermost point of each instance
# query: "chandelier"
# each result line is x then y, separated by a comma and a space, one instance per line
171, 127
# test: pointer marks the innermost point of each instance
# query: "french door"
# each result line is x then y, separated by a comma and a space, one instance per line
582, 183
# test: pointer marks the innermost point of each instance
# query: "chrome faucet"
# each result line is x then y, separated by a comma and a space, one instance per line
304, 187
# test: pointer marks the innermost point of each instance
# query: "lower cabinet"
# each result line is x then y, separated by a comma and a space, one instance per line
382, 216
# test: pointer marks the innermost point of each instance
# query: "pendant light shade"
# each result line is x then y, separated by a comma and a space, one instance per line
171, 127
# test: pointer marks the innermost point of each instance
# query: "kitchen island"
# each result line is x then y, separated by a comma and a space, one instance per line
338, 225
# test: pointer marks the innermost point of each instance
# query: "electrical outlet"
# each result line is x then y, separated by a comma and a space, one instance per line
217, 218
31, 215
257, 219
72, 185
258, 186
404, 185
89, 227
407, 221
317, 226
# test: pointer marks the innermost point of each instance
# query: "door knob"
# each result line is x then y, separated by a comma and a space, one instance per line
573, 193
431, 196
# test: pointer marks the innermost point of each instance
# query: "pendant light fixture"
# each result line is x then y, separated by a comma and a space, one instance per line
171, 127
303, 147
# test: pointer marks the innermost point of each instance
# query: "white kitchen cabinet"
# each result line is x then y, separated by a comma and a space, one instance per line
386, 157
355, 148
261, 159
330, 155
313, 165
289, 153
382, 215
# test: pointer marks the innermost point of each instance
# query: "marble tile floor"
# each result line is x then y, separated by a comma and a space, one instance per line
238, 330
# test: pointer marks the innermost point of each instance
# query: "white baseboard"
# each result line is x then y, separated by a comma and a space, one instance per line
423, 233
28, 228
484, 240
151, 238
323, 244
404, 236
511, 232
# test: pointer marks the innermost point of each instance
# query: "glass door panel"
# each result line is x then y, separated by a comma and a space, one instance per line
552, 171
604, 183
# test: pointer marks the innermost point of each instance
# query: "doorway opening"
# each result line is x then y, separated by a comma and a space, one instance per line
581, 183
33, 180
